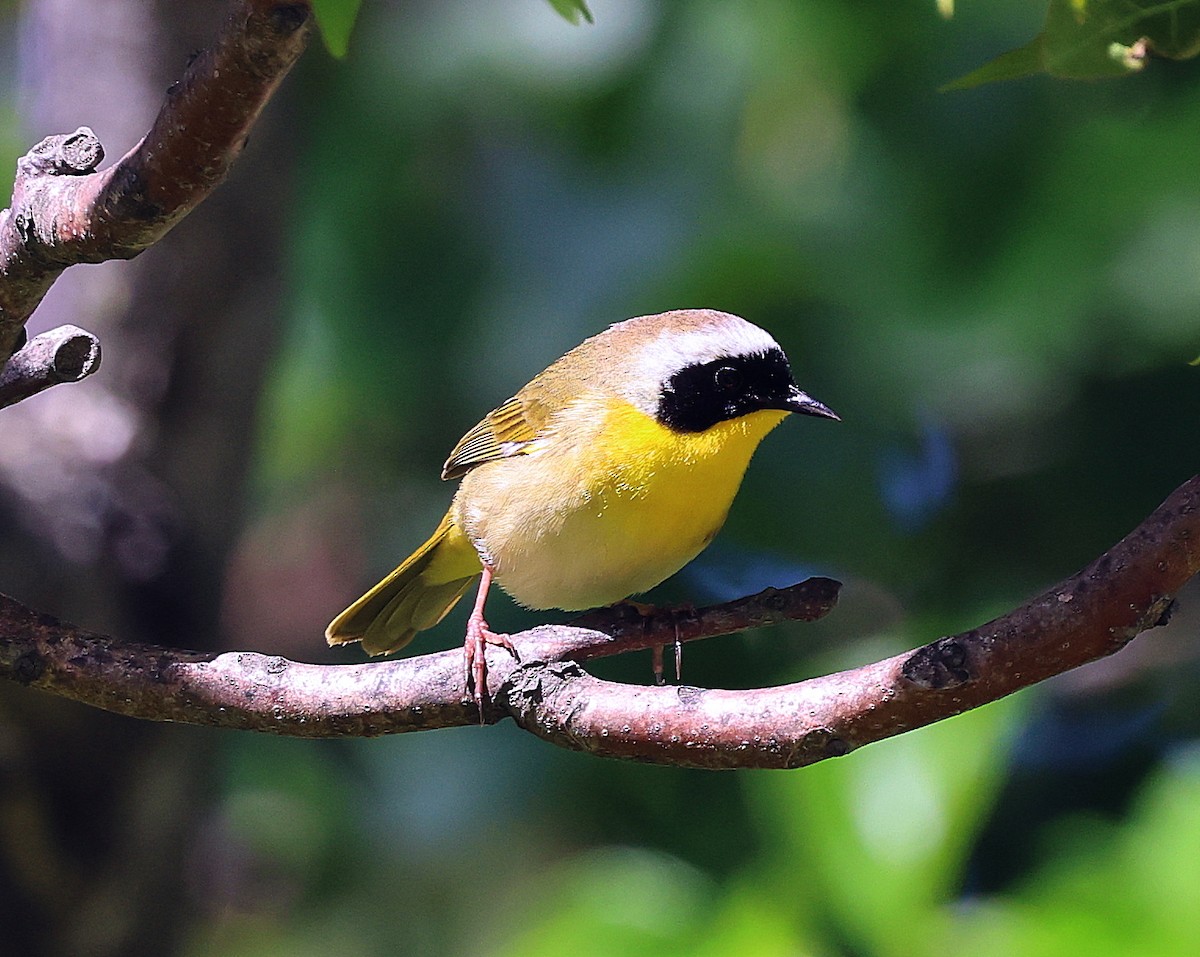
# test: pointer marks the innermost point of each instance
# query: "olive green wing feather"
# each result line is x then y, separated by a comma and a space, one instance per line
508, 430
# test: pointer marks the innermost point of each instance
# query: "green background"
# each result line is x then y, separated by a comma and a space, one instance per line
997, 289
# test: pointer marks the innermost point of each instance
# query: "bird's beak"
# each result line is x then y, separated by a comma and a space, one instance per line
805, 404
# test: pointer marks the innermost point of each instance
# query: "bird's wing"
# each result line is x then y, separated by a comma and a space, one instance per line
505, 431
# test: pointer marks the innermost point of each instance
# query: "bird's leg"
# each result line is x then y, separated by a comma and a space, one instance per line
645, 615
479, 636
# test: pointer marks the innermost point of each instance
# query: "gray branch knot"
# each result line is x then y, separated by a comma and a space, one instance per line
65, 154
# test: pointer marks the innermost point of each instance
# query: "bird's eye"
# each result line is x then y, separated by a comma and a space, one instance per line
727, 378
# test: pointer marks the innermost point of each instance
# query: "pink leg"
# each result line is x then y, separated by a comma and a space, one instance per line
479, 636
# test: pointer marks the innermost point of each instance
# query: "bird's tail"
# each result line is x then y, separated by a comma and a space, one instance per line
415, 596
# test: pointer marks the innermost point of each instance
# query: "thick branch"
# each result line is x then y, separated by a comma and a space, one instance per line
1087, 616
65, 354
262, 693
65, 212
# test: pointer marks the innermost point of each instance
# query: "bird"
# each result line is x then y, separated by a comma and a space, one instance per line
602, 477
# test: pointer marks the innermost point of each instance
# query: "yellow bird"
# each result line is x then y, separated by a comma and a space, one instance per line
602, 477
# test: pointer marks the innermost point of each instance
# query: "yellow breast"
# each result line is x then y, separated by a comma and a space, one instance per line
608, 506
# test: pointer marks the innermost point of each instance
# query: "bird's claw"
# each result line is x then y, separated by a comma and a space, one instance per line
479, 636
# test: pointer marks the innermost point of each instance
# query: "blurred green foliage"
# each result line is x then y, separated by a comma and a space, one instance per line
997, 289
11, 141
336, 20
573, 11
1092, 39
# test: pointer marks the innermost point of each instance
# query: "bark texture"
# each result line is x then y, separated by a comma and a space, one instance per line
120, 495
1127, 590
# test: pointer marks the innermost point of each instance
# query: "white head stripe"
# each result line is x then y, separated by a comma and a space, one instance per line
712, 335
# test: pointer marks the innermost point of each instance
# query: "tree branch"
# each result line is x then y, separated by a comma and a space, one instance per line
1092, 614
65, 212
257, 692
65, 354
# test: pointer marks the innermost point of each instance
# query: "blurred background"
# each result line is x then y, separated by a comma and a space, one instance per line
998, 290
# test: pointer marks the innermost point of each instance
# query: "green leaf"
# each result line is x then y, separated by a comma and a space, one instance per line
336, 19
1092, 39
1087, 39
572, 10
1013, 65
1195, 362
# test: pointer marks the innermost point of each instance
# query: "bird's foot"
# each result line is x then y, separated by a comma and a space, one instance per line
629, 608
479, 636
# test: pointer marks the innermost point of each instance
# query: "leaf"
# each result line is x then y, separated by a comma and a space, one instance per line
336, 19
1172, 30
1013, 65
572, 10
1092, 39
1195, 362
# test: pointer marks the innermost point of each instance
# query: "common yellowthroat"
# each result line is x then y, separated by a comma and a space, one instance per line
602, 477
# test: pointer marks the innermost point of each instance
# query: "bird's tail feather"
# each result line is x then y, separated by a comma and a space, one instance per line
416, 596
